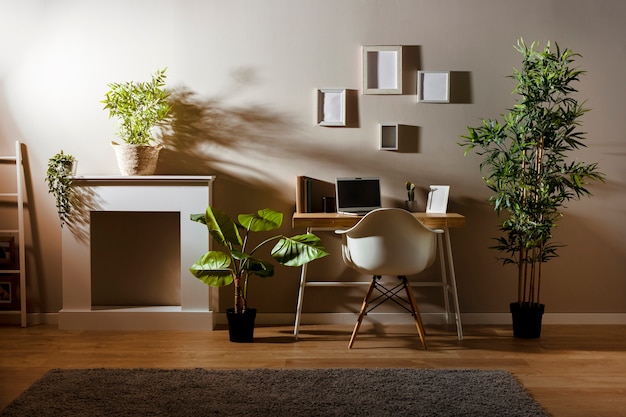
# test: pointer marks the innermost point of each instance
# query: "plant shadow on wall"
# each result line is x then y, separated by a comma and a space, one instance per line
234, 143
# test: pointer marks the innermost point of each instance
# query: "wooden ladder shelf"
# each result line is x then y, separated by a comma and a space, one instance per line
16, 266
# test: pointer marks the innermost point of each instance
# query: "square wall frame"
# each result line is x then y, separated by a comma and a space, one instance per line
382, 69
433, 86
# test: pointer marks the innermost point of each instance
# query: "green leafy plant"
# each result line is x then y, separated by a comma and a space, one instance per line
527, 164
234, 265
140, 107
59, 180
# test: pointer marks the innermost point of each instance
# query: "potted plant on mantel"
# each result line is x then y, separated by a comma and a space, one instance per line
235, 265
527, 165
59, 179
144, 112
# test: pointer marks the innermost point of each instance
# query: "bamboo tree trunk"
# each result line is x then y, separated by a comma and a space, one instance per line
521, 279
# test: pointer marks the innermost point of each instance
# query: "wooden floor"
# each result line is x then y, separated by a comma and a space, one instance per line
571, 370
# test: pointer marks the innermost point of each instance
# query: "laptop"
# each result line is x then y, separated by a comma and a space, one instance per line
357, 195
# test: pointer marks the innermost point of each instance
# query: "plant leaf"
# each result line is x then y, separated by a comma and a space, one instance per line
213, 268
298, 250
265, 220
222, 229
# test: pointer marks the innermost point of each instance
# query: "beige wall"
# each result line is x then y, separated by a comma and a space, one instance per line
249, 71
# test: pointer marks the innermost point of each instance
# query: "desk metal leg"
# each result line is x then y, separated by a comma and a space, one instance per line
444, 276
296, 324
455, 297
300, 299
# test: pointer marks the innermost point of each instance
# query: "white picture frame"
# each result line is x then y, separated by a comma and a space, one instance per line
382, 69
433, 86
389, 134
331, 107
437, 201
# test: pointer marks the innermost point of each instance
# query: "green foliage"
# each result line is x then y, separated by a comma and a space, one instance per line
140, 107
526, 160
59, 180
234, 265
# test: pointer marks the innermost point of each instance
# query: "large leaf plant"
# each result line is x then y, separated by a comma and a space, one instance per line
528, 161
234, 265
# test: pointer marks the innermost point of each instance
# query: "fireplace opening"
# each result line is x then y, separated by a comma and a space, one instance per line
135, 259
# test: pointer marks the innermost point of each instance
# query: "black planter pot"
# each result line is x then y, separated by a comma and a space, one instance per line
527, 320
241, 325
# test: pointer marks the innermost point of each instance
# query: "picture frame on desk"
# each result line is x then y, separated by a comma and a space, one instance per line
437, 201
9, 292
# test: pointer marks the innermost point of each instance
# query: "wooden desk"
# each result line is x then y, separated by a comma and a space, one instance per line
345, 221
441, 222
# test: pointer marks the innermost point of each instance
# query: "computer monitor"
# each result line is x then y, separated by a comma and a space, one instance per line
357, 195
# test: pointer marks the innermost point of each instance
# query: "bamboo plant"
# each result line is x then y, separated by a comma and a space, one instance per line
528, 161
140, 107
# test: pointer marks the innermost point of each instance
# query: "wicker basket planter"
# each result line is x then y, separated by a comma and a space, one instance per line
136, 159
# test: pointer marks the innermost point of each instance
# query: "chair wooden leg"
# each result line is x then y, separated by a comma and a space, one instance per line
363, 311
416, 314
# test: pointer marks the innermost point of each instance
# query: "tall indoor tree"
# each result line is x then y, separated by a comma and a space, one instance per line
529, 162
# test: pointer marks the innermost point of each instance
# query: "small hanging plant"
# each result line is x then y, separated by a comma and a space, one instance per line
59, 180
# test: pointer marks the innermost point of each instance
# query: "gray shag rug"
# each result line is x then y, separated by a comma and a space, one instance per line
275, 392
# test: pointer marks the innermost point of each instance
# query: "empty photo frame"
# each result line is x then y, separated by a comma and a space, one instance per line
437, 199
331, 107
433, 86
382, 69
388, 137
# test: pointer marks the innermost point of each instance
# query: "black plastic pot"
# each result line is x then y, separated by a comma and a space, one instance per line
527, 320
241, 325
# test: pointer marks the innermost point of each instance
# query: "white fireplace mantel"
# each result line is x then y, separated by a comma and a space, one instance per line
182, 194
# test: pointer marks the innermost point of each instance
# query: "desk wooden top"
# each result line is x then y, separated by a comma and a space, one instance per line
344, 221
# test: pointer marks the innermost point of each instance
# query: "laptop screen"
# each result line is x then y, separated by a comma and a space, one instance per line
357, 194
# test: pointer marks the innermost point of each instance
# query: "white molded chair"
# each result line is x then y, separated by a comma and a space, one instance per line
389, 241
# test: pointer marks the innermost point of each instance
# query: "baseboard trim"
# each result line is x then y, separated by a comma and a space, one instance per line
32, 319
285, 319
